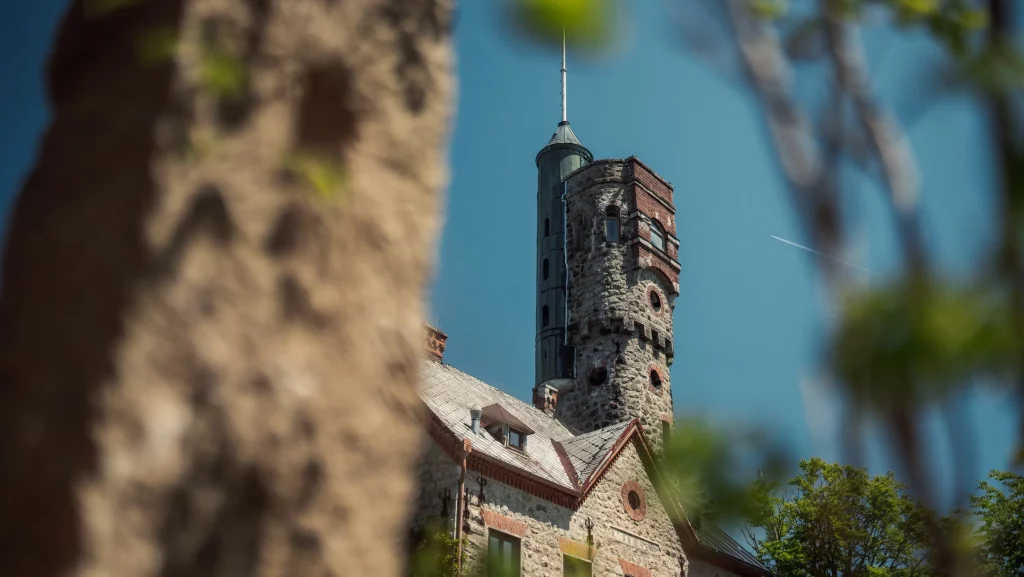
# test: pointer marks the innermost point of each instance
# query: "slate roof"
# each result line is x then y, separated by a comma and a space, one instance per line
586, 452
713, 537
450, 394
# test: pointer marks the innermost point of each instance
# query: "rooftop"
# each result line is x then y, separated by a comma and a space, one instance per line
450, 394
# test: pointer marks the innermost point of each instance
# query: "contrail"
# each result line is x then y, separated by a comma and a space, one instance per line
819, 253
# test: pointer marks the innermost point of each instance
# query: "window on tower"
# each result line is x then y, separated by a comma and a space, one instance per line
655, 380
611, 226
544, 316
547, 226
657, 236
544, 270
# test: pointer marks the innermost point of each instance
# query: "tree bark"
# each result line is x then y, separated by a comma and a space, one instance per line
207, 369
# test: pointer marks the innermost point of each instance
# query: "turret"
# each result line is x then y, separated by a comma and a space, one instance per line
562, 155
623, 280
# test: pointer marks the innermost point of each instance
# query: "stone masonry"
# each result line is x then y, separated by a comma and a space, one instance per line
621, 295
644, 541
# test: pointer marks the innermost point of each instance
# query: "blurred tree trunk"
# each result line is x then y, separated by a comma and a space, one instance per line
213, 286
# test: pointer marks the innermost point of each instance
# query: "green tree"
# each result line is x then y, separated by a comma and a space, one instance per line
999, 512
838, 521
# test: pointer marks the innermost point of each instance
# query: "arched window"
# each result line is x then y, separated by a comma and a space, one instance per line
655, 380
544, 316
657, 236
544, 270
547, 226
611, 223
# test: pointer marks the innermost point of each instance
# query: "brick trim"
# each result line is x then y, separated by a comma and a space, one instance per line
616, 450
577, 549
506, 525
640, 512
535, 487
633, 570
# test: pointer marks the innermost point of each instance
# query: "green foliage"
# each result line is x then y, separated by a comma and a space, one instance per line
223, 73
435, 554
769, 9
325, 177
708, 470
585, 23
838, 521
905, 344
156, 46
1000, 512
993, 70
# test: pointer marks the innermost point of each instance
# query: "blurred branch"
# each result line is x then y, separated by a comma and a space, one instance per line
887, 142
812, 193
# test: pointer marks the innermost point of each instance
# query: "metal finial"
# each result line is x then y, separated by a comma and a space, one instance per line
564, 112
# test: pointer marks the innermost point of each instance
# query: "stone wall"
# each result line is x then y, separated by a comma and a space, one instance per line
436, 472
620, 313
649, 540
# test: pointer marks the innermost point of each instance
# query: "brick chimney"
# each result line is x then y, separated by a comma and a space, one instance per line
545, 398
436, 341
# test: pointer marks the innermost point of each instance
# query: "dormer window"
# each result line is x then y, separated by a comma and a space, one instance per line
516, 439
505, 427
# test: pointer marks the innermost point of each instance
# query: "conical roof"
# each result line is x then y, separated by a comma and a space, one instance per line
564, 135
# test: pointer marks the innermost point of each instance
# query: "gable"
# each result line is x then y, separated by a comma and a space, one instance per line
638, 529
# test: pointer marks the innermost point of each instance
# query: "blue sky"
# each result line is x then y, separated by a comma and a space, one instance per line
749, 319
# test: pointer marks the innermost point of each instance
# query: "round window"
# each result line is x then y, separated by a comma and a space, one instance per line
655, 301
598, 376
634, 502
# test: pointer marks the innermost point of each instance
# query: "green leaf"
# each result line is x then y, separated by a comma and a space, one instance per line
899, 345
768, 9
585, 23
156, 46
326, 178
222, 73
708, 470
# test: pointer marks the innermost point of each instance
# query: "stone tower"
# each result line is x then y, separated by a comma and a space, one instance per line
562, 155
622, 254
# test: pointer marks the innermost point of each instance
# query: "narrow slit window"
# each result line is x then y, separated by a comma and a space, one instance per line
544, 270
545, 316
611, 224
547, 226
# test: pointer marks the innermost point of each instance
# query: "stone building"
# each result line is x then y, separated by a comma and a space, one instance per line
566, 485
